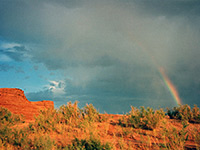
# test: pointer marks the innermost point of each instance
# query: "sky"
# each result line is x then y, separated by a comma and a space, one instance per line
105, 52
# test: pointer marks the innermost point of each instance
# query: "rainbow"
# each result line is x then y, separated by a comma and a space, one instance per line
161, 70
170, 86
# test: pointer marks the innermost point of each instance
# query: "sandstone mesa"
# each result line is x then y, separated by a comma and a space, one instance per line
15, 100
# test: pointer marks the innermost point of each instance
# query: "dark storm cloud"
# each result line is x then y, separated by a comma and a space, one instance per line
171, 7
17, 53
15, 23
103, 99
67, 3
110, 48
23, 21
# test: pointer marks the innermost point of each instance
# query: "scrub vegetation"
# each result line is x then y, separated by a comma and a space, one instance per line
73, 128
185, 113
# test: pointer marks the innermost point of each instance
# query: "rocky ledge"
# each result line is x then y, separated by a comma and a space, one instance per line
15, 100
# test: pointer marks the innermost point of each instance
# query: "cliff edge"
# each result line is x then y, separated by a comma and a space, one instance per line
14, 100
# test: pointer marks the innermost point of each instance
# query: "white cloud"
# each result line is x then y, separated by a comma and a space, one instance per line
6, 45
57, 87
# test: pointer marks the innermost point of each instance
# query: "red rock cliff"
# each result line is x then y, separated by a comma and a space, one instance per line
14, 100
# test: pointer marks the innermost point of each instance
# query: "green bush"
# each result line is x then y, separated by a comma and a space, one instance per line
6, 117
175, 139
20, 139
185, 113
43, 142
5, 134
70, 114
197, 140
15, 137
143, 118
45, 121
91, 114
91, 144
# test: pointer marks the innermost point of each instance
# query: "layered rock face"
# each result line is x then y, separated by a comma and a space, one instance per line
14, 100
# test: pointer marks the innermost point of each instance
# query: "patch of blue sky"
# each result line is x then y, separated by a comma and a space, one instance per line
26, 74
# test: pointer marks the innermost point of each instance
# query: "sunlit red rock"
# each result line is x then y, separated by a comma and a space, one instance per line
14, 100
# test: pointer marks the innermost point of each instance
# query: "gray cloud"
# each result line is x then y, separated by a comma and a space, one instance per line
104, 99
41, 95
171, 8
17, 53
111, 48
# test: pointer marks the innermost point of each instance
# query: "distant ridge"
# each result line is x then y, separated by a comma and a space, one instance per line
15, 100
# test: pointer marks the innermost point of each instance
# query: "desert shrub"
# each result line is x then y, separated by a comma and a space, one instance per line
197, 140
45, 121
185, 113
91, 144
173, 138
70, 114
6, 117
143, 118
195, 135
195, 115
18, 138
10, 136
5, 134
2, 144
41, 142
91, 114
